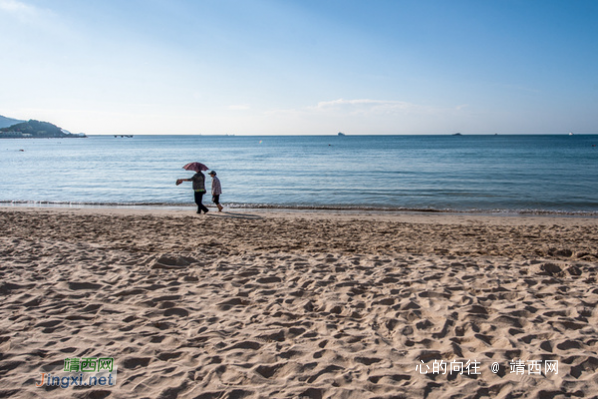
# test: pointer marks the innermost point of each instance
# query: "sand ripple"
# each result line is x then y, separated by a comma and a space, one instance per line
296, 307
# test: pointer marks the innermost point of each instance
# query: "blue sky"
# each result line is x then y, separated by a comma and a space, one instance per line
302, 67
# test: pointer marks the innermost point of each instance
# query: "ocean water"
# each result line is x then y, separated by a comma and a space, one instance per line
534, 174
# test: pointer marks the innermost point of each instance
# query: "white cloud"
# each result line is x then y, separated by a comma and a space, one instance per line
15, 6
357, 102
240, 107
369, 106
340, 102
32, 16
18, 9
371, 116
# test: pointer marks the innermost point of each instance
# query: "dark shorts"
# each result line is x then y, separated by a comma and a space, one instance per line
216, 199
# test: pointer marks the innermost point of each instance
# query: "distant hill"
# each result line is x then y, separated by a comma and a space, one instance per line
5, 122
35, 129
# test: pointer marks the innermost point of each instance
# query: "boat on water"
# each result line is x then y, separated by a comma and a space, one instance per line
570, 133
341, 133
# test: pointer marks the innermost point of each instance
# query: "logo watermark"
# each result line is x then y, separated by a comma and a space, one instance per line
87, 371
531, 367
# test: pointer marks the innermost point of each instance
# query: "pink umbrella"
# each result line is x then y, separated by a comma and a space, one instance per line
195, 166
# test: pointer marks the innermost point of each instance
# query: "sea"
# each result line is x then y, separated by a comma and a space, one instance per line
490, 174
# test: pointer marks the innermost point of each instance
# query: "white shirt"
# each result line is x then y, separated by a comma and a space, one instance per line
216, 189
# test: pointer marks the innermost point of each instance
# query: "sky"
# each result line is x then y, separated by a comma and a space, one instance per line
304, 67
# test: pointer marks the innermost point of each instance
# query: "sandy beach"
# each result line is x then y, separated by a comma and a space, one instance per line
255, 304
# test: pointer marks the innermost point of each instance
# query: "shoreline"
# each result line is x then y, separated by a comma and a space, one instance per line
318, 214
356, 210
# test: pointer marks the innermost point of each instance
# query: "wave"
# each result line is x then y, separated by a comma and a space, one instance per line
314, 208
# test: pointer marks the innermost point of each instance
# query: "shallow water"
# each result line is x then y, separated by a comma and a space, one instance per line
505, 174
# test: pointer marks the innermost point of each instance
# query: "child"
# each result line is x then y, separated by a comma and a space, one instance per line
216, 190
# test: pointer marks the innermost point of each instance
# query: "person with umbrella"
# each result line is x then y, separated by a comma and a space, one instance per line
199, 186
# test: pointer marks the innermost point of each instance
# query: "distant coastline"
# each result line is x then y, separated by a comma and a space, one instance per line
36, 130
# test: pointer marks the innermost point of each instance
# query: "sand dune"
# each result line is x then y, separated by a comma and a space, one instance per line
270, 305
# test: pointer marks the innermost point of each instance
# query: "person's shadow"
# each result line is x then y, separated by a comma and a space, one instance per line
235, 215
